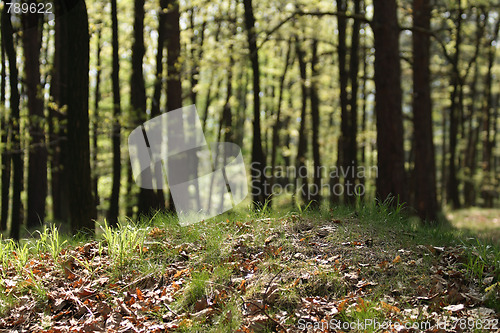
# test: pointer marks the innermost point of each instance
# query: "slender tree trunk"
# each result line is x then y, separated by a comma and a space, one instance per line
114, 201
81, 201
351, 151
258, 185
489, 127
391, 171
57, 122
452, 189
17, 155
316, 195
343, 153
301, 182
6, 134
95, 120
148, 198
425, 164
364, 92
37, 157
159, 201
174, 86
278, 123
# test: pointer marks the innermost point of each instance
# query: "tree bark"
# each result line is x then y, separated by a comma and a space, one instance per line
390, 157
278, 123
489, 127
114, 201
316, 191
37, 156
17, 155
95, 120
76, 97
301, 182
452, 183
6, 134
425, 164
258, 185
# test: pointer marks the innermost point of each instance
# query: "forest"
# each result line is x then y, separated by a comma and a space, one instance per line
249, 166
345, 101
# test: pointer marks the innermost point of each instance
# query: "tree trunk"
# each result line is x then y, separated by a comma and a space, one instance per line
57, 122
258, 185
5, 137
390, 157
452, 183
76, 97
95, 120
301, 183
174, 86
489, 127
114, 201
37, 158
277, 123
425, 164
316, 191
148, 199
352, 147
343, 153
17, 155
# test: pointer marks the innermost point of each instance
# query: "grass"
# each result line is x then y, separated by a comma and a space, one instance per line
247, 263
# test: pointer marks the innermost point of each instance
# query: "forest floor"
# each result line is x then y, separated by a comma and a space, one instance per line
483, 222
372, 270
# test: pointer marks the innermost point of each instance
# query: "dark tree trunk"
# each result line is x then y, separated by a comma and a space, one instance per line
196, 56
241, 96
95, 120
364, 101
258, 185
208, 97
343, 153
489, 127
159, 200
57, 122
17, 155
148, 198
114, 201
316, 191
301, 183
174, 86
390, 157
6, 134
425, 164
76, 97
452, 183
278, 123
37, 158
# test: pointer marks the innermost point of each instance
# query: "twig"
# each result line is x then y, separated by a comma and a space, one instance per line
262, 310
137, 281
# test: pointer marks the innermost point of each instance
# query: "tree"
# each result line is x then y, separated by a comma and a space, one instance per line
37, 157
76, 94
390, 152
424, 172
5, 139
257, 171
114, 202
313, 94
147, 196
301, 183
17, 157
57, 125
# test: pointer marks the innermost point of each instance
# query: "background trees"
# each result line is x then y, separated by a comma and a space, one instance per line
331, 90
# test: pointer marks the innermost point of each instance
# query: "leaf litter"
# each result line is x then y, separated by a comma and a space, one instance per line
295, 272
